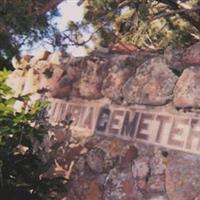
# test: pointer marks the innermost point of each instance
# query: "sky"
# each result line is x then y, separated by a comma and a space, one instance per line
69, 11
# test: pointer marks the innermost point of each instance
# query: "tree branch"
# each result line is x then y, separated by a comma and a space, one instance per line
171, 13
73, 42
183, 15
37, 8
51, 5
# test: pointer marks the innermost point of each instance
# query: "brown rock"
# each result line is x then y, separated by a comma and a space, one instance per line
173, 57
92, 78
91, 142
191, 55
121, 186
182, 176
156, 184
112, 148
118, 75
86, 189
104, 155
49, 76
93, 192
73, 73
62, 89
130, 61
152, 84
128, 154
95, 160
187, 90
73, 68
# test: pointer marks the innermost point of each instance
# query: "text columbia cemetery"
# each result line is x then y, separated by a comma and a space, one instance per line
180, 132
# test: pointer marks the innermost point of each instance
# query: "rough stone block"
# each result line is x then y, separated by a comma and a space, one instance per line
187, 90
191, 55
153, 84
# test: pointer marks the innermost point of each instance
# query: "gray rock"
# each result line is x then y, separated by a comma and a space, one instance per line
128, 154
173, 57
187, 90
95, 160
121, 186
191, 55
92, 78
73, 68
140, 168
153, 84
156, 184
182, 176
113, 83
157, 164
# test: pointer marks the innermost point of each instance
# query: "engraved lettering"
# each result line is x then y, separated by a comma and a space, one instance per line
103, 119
75, 111
130, 124
164, 127
145, 126
179, 132
193, 141
116, 121
88, 121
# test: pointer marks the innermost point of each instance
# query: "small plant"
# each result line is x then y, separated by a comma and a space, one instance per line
20, 167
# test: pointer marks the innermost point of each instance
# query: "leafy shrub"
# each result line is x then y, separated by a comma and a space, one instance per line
20, 167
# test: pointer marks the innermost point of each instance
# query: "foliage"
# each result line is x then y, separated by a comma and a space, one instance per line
20, 167
145, 23
23, 22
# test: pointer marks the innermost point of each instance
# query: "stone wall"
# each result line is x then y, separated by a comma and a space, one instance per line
109, 168
140, 78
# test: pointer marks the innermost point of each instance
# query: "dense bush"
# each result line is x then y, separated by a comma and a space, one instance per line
23, 23
20, 167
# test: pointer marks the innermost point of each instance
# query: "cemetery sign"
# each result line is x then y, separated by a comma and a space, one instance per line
180, 132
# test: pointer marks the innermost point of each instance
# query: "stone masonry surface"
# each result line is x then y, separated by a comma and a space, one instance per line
108, 168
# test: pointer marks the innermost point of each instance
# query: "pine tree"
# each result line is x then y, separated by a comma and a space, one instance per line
151, 24
24, 22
